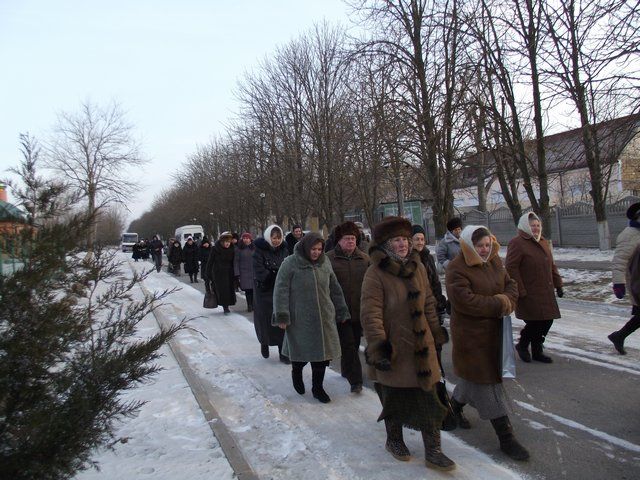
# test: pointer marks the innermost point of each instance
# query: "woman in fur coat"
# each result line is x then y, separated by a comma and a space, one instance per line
243, 267
530, 263
307, 304
190, 253
402, 331
481, 294
220, 271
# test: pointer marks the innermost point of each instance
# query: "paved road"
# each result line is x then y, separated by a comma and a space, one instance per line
578, 416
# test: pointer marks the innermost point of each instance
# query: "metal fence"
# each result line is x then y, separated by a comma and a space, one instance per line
572, 226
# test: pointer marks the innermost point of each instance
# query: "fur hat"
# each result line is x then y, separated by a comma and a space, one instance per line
246, 235
346, 228
633, 212
454, 223
390, 227
418, 229
225, 236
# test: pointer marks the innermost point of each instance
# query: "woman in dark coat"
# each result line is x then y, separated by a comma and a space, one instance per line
220, 271
270, 252
205, 251
243, 267
307, 304
175, 257
402, 332
530, 263
481, 294
190, 255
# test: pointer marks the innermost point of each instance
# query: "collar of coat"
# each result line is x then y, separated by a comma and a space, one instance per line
420, 326
357, 253
471, 257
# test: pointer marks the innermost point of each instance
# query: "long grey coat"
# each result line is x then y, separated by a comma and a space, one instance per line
308, 299
243, 265
447, 249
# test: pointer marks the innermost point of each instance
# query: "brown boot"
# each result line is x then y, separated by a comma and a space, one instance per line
395, 443
433, 455
508, 442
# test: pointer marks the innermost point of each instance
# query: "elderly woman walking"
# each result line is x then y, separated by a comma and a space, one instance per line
481, 294
220, 271
243, 267
307, 304
530, 263
270, 252
402, 331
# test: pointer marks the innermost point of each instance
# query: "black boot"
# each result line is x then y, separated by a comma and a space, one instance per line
264, 350
249, 307
463, 422
618, 342
433, 455
508, 442
537, 355
522, 347
317, 378
395, 443
296, 377
283, 358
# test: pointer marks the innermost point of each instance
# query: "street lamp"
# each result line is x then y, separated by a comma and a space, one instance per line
262, 197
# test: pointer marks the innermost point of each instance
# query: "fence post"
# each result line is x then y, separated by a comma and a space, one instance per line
559, 227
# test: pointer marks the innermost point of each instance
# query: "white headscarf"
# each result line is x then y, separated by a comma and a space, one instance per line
465, 237
523, 225
269, 230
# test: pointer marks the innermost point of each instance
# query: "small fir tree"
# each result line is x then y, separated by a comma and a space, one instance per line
68, 344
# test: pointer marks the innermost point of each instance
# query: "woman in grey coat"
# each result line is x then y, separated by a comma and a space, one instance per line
449, 246
307, 304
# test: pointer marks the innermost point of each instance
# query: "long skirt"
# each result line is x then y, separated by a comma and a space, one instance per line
413, 408
491, 401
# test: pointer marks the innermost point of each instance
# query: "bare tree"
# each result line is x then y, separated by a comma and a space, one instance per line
93, 149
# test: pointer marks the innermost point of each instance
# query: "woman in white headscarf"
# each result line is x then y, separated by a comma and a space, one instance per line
481, 294
530, 263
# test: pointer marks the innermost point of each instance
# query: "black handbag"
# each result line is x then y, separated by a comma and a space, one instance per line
449, 422
210, 300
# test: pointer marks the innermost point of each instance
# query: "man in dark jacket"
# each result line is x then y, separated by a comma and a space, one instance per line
293, 237
350, 264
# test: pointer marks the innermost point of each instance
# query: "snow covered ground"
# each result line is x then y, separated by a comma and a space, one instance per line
287, 436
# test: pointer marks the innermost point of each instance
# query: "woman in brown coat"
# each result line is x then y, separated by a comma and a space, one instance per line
530, 263
401, 328
481, 294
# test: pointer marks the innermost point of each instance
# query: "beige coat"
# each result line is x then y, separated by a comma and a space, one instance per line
398, 317
626, 243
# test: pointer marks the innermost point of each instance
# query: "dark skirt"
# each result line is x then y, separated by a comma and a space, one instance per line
413, 408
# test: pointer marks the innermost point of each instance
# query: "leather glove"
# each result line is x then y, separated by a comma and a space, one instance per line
559, 292
619, 290
384, 365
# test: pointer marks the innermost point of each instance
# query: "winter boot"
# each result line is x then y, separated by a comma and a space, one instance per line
618, 342
317, 378
463, 422
522, 347
296, 377
433, 455
395, 443
537, 355
508, 442
264, 350
249, 306
226, 310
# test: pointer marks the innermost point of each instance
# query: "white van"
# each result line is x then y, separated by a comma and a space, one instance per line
186, 231
127, 241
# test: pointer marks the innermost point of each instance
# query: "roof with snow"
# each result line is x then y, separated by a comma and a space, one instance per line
10, 213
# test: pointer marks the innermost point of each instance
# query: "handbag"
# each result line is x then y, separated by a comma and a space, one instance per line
210, 300
507, 353
449, 422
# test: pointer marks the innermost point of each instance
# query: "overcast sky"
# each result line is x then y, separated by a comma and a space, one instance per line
172, 65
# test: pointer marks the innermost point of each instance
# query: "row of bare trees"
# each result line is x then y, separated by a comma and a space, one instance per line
428, 91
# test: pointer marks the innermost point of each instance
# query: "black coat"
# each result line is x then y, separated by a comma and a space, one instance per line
190, 255
220, 272
204, 258
266, 262
434, 280
291, 241
175, 255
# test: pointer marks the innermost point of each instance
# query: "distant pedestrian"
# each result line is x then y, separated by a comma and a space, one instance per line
449, 246
419, 244
363, 240
243, 267
349, 265
156, 252
203, 256
220, 271
270, 252
293, 237
530, 263
626, 243
402, 332
481, 294
307, 304
190, 254
175, 257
